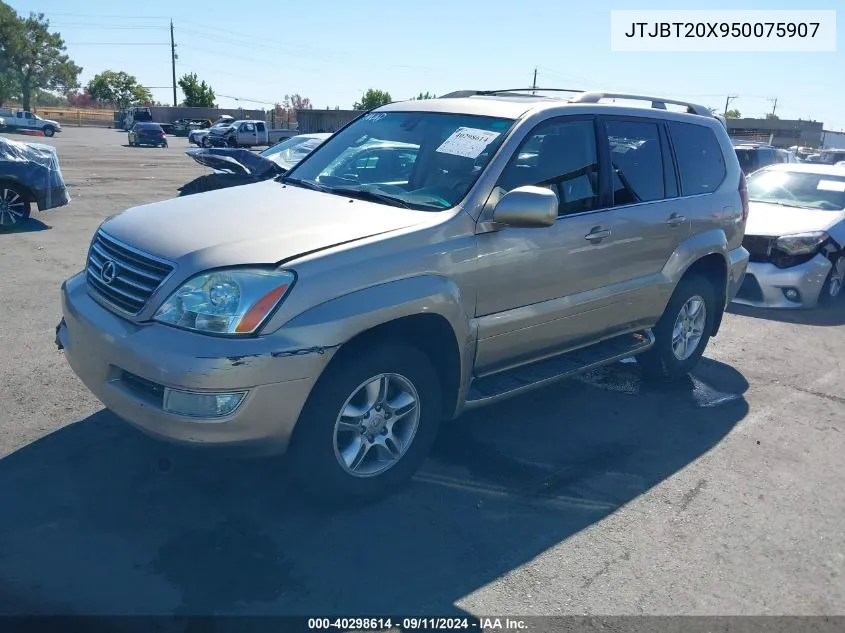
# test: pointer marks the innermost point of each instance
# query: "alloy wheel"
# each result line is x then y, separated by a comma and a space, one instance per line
689, 327
12, 207
376, 425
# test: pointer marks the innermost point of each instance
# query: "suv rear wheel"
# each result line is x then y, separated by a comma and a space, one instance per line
682, 333
368, 425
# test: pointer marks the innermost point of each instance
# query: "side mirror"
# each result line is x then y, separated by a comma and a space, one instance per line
527, 207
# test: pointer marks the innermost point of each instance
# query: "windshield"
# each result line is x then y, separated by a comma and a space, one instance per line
798, 189
421, 160
289, 152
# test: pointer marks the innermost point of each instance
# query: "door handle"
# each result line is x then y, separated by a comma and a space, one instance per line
597, 234
675, 220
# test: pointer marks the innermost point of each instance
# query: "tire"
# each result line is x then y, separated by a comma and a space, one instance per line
15, 205
231, 143
832, 289
49, 130
317, 449
205, 142
663, 363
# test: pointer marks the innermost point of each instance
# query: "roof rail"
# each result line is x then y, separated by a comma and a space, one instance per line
518, 92
656, 102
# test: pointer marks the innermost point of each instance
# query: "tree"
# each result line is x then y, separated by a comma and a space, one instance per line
297, 102
424, 95
772, 116
197, 93
120, 89
733, 114
373, 99
32, 58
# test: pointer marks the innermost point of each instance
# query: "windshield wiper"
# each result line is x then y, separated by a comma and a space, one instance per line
373, 196
307, 184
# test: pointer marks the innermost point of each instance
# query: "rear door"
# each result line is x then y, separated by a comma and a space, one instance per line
648, 215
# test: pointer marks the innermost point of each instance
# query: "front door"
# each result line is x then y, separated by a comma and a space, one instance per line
247, 135
540, 290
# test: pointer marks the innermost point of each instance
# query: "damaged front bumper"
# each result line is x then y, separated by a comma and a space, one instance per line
767, 286
148, 373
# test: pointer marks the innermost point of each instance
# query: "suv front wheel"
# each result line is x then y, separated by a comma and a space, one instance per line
682, 333
368, 424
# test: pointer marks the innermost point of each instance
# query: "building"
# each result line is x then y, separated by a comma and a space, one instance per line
778, 132
311, 121
833, 140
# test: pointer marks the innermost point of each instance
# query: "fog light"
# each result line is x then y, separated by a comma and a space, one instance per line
201, 405
792, 294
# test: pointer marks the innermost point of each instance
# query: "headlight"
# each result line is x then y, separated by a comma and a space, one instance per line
801, 243
228, 301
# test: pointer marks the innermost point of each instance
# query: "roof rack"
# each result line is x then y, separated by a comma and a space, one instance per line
517, 92
583, 96
656, 102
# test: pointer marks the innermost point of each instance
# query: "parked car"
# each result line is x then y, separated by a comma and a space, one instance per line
147, 134
182, 127
16, 120
795, 236
234, 167
246, 133
29, 172
2, 123
754, 156
199, 137
339, 315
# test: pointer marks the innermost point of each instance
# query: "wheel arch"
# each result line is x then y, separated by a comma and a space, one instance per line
15, 182
424, 311
704, 254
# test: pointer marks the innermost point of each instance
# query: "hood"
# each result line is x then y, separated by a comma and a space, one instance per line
51, 122
775, 220
220, 129
264, 222
235, 161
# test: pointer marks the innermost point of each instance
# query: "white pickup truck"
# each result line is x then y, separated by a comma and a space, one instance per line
246, 133
23, 120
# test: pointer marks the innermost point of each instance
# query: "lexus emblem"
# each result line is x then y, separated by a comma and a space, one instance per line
108, 272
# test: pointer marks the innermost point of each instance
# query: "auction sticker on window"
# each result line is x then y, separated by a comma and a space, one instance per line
831, 185
468, 142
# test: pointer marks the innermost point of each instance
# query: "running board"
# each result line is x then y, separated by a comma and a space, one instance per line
513, 382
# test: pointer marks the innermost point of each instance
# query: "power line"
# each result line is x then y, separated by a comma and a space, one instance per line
115, 44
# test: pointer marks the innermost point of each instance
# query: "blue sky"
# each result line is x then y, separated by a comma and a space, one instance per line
333, 50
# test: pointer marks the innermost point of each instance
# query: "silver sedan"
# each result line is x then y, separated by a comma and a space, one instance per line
795, 234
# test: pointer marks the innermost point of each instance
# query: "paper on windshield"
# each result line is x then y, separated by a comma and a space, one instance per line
468, 142
831, 185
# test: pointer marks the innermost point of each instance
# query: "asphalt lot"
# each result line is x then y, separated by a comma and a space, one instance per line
722, 495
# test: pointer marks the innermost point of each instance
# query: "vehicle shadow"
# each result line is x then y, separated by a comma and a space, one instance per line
102, 520
823, 316
30, 225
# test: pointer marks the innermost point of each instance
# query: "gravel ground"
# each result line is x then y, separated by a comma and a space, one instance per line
722, 495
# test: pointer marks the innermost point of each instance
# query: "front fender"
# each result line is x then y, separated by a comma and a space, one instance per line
337, 321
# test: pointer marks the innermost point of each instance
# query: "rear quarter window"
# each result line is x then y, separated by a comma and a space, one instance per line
700, 160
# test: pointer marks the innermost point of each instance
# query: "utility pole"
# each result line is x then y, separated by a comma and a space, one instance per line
534, 84
728, 104
774, 105
173, 62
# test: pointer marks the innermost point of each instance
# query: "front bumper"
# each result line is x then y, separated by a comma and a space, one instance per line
110, 355
765, 284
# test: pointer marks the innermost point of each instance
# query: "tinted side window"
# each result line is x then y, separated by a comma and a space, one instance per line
637, 161
259, 127
562, 156
699, 156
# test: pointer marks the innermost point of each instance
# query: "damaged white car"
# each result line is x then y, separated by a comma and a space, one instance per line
795, 236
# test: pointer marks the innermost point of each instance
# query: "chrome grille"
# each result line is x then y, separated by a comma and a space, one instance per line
131, 276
